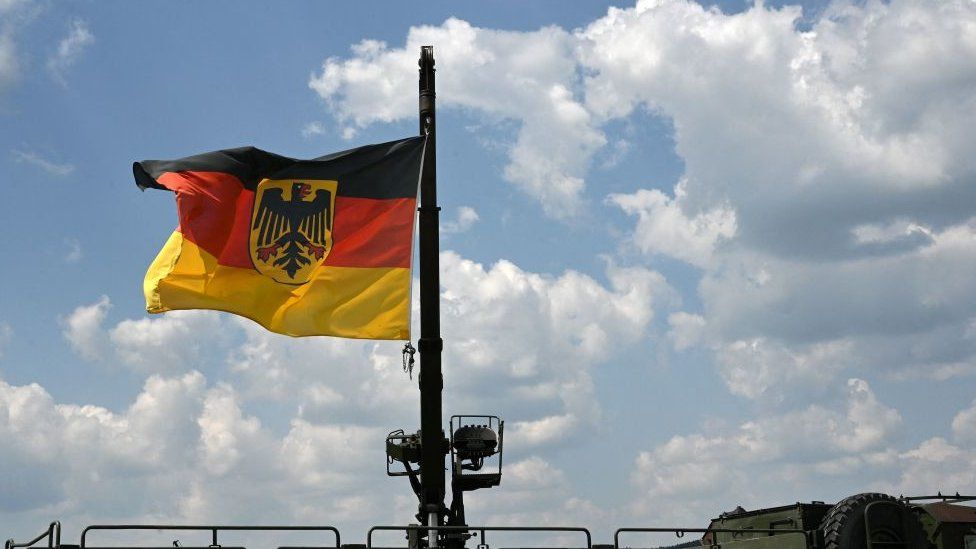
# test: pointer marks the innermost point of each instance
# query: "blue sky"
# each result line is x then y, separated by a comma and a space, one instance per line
685, 247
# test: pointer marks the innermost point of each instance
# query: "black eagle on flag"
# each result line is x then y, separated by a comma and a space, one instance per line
295, 228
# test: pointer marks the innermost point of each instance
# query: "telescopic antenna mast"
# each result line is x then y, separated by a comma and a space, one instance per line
477, 441
430, 343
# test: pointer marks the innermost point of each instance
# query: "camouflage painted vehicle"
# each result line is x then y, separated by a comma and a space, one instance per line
862, 521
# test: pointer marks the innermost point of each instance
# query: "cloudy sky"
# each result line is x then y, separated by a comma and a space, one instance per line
696, 255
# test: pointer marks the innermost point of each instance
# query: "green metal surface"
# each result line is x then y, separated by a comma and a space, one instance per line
949, 526
786, 540
800, 516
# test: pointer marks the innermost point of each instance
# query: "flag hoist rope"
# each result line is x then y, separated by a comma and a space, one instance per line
430, 343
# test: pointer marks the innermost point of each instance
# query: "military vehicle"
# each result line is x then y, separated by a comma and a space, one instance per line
867, 521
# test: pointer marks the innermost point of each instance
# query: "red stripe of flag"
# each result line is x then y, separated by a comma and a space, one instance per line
215, 214
372, 233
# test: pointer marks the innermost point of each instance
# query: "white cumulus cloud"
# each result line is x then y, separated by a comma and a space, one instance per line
687, 330
49, 166
169, 343
701, 474
662, 226
533, 338
819, 200
83, 329
6, 334
964, 425
13, 16
70, 49
759, 368
529, 77
848, 191
312, 128
74, 253
465, 219
9, 61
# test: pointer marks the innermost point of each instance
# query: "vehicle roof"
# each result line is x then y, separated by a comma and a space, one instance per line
948, 512
733, 514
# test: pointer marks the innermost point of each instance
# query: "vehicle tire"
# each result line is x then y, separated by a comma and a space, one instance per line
843, 526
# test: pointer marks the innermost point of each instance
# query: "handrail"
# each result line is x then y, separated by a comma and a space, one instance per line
680, 532
482, 530
212, 528
53, 534
945, 498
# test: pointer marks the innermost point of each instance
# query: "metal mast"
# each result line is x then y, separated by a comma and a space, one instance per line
430, 343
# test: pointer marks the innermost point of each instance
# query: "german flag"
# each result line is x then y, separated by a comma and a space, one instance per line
302, 247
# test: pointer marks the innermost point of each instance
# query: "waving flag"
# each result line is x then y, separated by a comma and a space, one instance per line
303, 247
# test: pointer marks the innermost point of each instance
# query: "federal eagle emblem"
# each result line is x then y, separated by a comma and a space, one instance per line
291, 228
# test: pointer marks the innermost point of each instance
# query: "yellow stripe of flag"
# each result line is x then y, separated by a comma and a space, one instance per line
368, 303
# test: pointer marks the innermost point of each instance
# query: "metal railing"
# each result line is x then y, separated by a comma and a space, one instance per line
53, 535
213, 529
680, 532
480, 530
954, 498
53, 532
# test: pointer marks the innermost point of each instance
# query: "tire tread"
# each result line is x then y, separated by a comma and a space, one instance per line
834, 522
